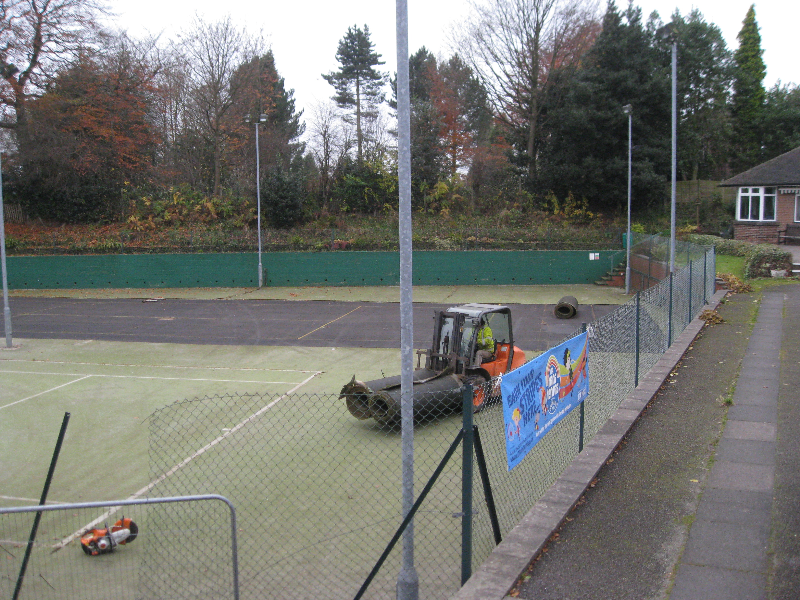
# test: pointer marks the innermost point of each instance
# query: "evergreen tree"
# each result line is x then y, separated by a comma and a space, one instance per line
358, 84
748, 95
587, 136
704, 77
263, 92
781, 120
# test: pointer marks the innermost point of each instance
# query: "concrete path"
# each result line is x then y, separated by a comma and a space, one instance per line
699, 498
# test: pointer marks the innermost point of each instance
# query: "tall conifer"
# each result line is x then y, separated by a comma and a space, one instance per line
358, 84
748, 94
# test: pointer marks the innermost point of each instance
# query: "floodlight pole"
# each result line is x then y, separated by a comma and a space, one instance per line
674, 151
628, 110
6, 309
407, 580
258, 121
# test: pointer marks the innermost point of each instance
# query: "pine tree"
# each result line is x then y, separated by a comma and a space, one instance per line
587, 136
358, 84
748, 94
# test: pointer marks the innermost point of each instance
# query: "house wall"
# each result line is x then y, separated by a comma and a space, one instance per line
767, 233
757, 233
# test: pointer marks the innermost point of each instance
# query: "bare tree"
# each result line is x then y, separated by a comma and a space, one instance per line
36, 38
214, 51
515, 46
330, 143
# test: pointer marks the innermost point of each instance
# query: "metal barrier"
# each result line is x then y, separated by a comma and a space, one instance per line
57, 570
318, 485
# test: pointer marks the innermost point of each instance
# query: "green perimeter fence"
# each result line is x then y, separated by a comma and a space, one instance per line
284, 269
318, 492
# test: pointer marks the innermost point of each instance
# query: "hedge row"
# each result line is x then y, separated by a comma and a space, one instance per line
760, 259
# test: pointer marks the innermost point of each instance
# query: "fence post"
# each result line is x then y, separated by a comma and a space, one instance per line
466, 484
42, 502
705, 277
487, 486
636, 369
581, 409
669, 317
691, 292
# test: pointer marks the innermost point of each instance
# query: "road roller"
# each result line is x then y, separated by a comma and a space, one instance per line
472, 343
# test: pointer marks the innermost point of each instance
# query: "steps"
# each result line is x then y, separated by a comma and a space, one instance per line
614, 278
796, 270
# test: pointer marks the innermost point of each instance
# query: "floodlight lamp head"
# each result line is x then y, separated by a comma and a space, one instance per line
627, 109
668, 33
262, 118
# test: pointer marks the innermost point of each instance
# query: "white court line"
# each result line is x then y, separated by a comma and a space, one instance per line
47, 391
138, 377
28, 499
181, 464
63, 362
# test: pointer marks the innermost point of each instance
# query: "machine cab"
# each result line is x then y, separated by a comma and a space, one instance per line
456, 339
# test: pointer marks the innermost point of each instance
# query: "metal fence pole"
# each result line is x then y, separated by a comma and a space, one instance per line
691, 292
669, 318
487, 487
407, 579
705, 278
6, 309
42, 500
582, 409
636, 368
466, 484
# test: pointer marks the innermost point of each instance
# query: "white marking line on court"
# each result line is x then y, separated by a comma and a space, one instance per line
63, 362
182, 464
329, 322
136, 377
27, 499
47, 391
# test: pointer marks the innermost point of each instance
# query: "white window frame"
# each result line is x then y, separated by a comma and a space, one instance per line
757, 214
797, 207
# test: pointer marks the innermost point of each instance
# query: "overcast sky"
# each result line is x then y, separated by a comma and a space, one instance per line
304, 35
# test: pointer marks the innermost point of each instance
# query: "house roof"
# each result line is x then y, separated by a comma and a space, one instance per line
781, 170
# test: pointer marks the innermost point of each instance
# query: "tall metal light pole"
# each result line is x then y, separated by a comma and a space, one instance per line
674, 40
628, 110
6, 309
407, 580
258, 121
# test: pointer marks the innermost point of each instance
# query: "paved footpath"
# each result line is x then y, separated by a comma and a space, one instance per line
739, 545
699, 498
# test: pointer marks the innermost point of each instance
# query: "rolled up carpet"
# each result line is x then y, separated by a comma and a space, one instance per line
566, 308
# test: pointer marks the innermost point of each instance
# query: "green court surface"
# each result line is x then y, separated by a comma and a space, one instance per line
110, 389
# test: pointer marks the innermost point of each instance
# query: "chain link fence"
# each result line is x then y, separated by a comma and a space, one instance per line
316, 481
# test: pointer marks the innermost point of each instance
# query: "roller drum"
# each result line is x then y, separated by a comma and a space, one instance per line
380, 398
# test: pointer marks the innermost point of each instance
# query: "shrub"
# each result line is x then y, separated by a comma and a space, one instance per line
283, 198
766, 258
761, 259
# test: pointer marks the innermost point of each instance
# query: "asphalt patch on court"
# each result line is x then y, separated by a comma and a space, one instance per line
267, 322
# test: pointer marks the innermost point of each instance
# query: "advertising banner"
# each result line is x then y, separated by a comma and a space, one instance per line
540, 393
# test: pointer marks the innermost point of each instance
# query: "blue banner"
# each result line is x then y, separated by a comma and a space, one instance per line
540, 393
